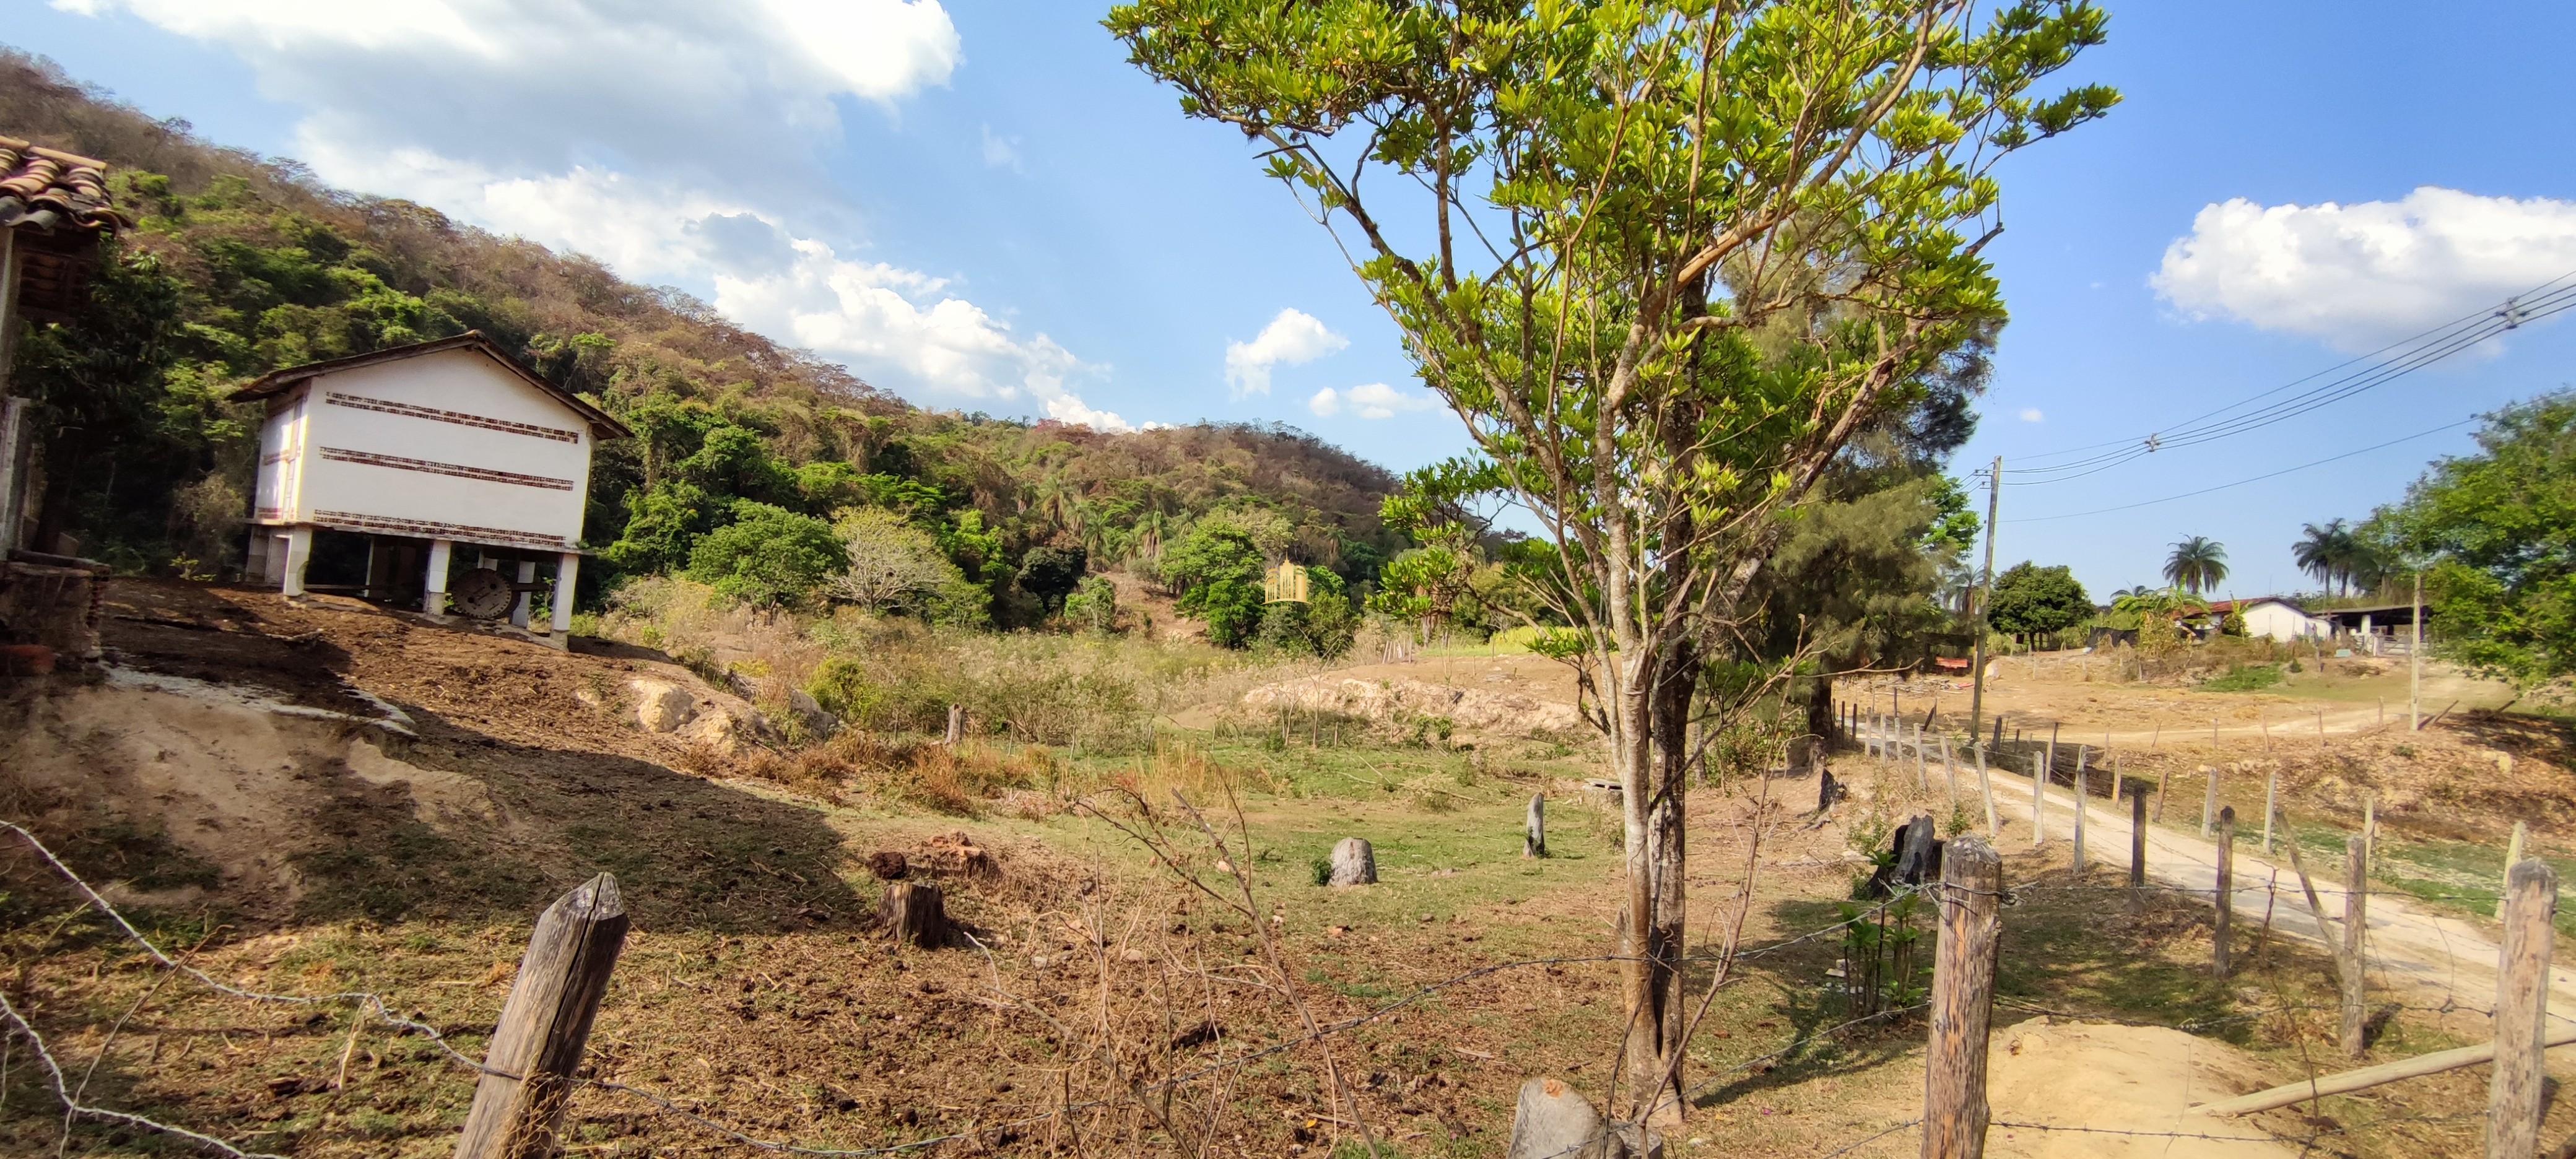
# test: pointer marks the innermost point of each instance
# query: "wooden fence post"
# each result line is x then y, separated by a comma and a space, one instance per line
2083, 803
1534, 829
2038, 801
528, 1068
956, 725
2138, 837
1955, 1112
2221, 931
1986, 787
2356, 922
2209, 805
2271, 795
2512, 857
1949, 770
2521, 1010
1922, 776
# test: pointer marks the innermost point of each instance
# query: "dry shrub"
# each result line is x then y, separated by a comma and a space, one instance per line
1430, 794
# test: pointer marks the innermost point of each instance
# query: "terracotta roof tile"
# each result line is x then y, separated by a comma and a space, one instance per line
48, 189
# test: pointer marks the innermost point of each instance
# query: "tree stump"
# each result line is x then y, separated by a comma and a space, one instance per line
1534, 833
1554, 1122
913, 912
1354, 863
888, 865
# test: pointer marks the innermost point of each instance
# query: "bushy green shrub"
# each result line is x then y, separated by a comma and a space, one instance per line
767, 557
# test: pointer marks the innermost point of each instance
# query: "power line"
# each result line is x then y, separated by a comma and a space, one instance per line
2242, 482
2419, 351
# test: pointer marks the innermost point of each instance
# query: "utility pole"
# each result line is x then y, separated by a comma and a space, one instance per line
1985, 599
2415, 659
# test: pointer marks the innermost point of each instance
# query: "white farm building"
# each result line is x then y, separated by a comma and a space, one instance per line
398, 457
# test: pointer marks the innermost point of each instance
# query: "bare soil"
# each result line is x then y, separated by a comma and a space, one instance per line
1109, 1005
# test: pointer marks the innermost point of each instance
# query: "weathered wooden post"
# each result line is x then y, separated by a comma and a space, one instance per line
536, 1047
2346, 950
2356, 920
1999, 730
2271, 797
2137, 837
2082, 803
2220, 934
2038, 800
1949, 770
2209, 804
2512, 857
956, 725
2521, 1010
1534, 829
1963, 990
1986, 789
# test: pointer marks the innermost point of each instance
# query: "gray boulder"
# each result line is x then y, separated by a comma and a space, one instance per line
1354, 863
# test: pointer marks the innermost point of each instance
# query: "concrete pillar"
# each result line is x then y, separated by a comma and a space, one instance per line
519, 606
567, 574
299, 552
434, 590
255, 560
275, 572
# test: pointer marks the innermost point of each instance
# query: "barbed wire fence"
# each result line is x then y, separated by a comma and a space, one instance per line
375, 1007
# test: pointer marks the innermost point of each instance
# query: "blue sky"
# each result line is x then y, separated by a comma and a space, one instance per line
982, 206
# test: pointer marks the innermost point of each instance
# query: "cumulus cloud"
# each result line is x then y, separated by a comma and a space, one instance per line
2363, 275
1375, 400
1294, 337
673, 141
2030, 414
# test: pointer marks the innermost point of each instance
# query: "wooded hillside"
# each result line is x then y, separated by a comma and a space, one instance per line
239, 264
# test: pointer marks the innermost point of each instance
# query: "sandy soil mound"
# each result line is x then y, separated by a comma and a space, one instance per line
2112, 1078
1400, 701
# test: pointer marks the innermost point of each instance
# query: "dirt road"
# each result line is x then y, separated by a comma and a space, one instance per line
2419, 958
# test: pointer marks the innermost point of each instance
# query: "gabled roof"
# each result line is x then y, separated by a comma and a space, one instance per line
277, 382
2224, 606
47, 189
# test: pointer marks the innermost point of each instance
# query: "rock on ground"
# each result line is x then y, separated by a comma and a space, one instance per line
1354, 863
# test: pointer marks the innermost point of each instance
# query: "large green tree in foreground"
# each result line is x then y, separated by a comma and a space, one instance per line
2496, 531
1665, 258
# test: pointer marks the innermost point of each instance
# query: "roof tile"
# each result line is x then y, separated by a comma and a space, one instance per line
45, 188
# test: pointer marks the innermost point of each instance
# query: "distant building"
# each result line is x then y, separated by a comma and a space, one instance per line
418, 449
2276, 617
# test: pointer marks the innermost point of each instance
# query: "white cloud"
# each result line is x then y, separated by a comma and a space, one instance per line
2030, 414
1374, 400
1001, 152
675, 142
1294, 337
2363, 275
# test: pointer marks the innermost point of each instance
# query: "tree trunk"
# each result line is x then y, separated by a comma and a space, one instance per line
1655, 774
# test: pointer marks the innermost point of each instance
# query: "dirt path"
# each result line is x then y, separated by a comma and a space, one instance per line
2418, 958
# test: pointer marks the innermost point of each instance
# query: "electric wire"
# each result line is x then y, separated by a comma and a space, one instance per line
2242, 482
2423, 350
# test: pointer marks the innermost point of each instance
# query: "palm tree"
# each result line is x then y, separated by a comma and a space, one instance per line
2197, 564
2321, 552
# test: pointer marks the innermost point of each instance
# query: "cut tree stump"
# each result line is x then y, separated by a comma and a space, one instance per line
1534, 830
914, 912
1554, 1122
1354, 863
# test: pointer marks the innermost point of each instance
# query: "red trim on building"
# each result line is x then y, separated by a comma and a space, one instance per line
460, 418
459, 470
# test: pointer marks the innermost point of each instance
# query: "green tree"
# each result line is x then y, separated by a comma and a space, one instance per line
1051, 573
768, 557
2496, 533
891, 563
2036, 601
2197, 565
1217, 570
1670, 257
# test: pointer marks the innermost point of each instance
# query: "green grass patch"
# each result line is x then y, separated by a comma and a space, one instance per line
2243, 678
